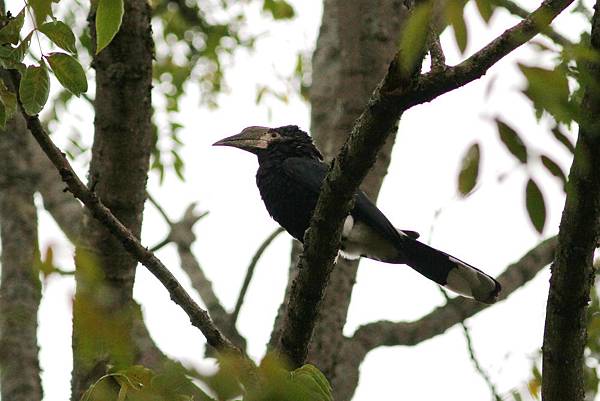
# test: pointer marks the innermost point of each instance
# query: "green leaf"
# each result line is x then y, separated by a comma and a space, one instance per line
549, 91
34, 89
109, 16
554, 169
312, 382
60, 33
456, 19
42, 9
512, 141
279, 9
69, 72
562, 138
414, 36
536, 207
486, 9
10, 33
8, 100
469, 170
18, 53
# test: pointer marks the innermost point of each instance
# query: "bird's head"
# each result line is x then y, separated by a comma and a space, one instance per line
288, 140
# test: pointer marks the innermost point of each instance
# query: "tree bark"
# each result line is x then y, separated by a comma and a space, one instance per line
347, 63
20, 290
103, 307
355, 46
573, 272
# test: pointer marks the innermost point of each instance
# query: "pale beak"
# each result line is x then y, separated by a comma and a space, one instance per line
249, 139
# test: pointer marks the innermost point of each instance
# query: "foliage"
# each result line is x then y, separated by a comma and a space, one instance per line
138, 383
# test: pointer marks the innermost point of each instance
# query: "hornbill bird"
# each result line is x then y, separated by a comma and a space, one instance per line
289, 178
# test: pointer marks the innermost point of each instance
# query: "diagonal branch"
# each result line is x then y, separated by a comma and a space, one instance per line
198, 316
456, 310
398, 91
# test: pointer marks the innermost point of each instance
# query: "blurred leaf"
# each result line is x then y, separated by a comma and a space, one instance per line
562, 138
554, 169
512, 141
279, 9
456, 19
312, 382
34, 89
41, 9
11, 32
109, 16
515, 394
469, 171
178, 165
414, 36
60, 33
549, 91
69, 72
536, 207
8, 99
486, 9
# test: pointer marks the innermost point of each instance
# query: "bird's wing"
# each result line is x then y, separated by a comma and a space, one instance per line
310, 174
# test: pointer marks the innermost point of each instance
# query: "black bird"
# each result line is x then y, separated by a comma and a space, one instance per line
289, 178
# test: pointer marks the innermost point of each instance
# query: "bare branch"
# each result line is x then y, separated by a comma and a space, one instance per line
198, 316
438, 59
250, 272
484, 375
456, 310
398, 91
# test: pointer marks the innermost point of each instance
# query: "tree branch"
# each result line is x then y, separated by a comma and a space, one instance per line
198, 316
398, 91
515, 9
250, 272
434, 84
572, 272
456, 310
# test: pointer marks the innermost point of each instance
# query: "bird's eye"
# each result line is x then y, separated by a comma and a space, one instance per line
274, 135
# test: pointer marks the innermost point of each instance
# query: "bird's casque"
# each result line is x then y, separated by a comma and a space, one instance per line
289, 177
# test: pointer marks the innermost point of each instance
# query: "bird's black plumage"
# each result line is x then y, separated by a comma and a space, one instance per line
291, 171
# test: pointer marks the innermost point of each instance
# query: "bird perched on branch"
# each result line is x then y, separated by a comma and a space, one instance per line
289, 177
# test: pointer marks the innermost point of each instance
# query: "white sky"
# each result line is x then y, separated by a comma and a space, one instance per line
490, 229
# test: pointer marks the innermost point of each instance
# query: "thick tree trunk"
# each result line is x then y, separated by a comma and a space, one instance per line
20, 291
103, 308
572, 271
355, 46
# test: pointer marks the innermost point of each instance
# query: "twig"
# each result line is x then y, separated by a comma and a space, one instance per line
160, 209
484, 375
398, 91
438, 59
517, 10
250, 272
198, 316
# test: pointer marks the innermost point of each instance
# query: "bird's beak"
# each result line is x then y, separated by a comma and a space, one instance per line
250, 138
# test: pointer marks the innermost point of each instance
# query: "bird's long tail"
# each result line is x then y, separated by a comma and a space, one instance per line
450, 272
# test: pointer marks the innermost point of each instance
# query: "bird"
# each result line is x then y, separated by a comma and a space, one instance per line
289, 177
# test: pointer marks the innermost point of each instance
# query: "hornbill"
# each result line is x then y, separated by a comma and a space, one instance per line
289, 178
